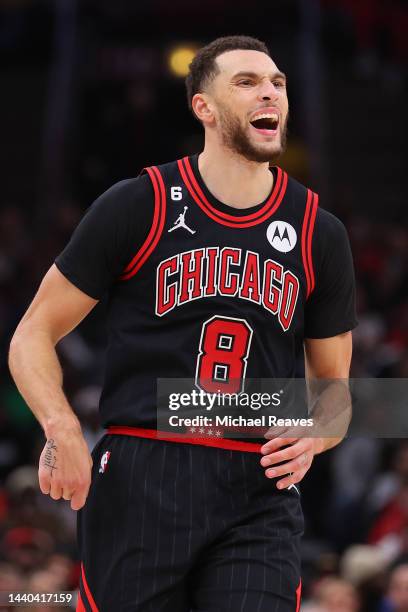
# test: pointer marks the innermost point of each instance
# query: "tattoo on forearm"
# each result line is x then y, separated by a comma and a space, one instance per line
50, 456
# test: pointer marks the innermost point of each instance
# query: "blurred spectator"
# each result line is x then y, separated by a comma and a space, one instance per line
365, 568
354, 464
27, 548
333, 594
27, 507
11, 579
388, 501
386, 484
390, 529
397, 593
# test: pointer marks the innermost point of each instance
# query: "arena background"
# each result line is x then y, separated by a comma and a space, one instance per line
90, 94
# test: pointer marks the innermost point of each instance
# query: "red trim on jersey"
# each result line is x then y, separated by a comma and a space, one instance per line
270, 206
80, 604
156, 229
309, 240
249, 447
304, 227
307, 233
298, 595
88, 593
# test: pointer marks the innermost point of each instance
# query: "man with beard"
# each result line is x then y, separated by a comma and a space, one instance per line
218, 268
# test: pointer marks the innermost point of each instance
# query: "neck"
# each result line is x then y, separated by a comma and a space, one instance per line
234, 180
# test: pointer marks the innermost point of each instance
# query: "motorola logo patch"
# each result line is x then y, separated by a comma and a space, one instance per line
282, 236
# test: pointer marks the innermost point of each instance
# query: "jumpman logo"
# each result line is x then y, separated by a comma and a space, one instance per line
179, 222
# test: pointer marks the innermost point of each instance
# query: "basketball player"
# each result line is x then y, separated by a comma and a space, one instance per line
217, 267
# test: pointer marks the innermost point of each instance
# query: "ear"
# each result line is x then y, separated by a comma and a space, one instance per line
203, 108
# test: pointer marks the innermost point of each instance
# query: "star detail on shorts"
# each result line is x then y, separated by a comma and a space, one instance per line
218, 433
210, 432
193, 429
201, 430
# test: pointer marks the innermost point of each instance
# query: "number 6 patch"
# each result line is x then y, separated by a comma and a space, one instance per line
223, 353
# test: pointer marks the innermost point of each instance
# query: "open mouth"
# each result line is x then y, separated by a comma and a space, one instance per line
267, 122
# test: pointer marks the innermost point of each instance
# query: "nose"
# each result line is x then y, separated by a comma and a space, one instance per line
268, 91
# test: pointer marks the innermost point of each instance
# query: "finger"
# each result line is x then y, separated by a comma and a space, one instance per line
79, 498
285, 468
56, 489
276, 443
44, 482
56, 492
293, 478
287, 453
67, 494
302, 461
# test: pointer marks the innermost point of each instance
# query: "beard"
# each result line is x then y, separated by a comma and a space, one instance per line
236, 138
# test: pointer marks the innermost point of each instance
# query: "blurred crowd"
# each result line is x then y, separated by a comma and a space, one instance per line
375, 32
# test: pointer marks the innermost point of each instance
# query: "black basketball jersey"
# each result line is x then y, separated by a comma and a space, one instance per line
201, 290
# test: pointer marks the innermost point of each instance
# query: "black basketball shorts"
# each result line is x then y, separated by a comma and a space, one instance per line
176, 527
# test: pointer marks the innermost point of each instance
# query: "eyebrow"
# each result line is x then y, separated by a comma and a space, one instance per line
246, 73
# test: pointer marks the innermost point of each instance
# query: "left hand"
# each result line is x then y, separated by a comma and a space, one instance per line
298, 458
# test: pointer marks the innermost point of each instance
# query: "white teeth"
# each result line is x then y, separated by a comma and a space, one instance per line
272, 116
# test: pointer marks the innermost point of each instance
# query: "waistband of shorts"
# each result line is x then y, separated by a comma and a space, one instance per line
165, 436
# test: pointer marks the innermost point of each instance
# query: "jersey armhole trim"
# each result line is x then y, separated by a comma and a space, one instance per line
156, 229
307, 235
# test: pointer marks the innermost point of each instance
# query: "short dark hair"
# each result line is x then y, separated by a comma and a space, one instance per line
203, 68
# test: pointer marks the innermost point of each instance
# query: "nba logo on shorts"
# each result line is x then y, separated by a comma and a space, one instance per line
104, 461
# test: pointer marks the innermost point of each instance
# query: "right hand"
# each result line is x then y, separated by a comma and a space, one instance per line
65, 468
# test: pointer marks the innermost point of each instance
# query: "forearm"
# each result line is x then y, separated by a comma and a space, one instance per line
327, 365
36, 370
331, 413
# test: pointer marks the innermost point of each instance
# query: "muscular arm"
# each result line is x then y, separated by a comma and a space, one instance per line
325, 358
113, 228
57, 309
